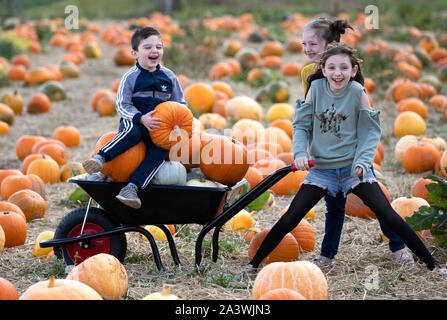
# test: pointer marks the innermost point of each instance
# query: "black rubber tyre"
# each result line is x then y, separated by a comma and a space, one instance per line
97, 221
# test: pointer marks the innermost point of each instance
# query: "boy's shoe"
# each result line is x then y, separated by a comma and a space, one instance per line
128, 195
94, 164
322, 261
403, 256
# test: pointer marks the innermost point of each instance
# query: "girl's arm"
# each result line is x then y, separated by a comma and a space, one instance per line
368, 133
302, 128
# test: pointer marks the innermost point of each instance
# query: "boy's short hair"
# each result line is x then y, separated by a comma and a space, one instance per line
141, 34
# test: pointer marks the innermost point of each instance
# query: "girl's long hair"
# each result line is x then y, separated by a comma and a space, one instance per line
334, 49
328, 30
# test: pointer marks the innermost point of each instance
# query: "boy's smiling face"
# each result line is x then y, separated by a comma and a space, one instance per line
149, 53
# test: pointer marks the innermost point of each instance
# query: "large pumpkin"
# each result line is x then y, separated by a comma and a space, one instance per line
25, 144
282, 294
121, 168
287, 250
247, 130
409, 123
302, 276
104, 273
176, 124
305, 236
224, 160
356, 208
60, 289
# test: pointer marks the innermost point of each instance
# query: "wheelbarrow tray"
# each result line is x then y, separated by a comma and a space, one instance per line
160, 204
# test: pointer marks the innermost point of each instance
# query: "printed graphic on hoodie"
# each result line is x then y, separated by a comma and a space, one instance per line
330, 121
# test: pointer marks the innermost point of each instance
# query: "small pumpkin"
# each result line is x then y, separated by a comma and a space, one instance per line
241, 222
409, 123
46, 168
71, 169
68, 135
243, 107
6, 114
30, 202
7, 290
200, 97
247, 131
171, 173
420, 157
176, 124
54, 90
14, 101
25, 144
286, 250
39, 103
37, 249
280, 111
165, 294
104, 273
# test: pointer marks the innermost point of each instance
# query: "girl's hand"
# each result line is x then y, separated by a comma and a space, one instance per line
358, 172
149, 122
302, 163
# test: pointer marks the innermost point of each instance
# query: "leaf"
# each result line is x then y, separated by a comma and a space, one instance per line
260, 201
422, 219
79, 195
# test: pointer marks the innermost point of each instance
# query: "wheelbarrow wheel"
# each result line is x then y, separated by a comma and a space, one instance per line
97, 221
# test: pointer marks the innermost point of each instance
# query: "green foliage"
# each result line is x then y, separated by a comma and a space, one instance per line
77, 199
11, 45
434, 217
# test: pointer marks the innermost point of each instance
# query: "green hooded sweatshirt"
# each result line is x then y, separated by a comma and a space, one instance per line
339, 131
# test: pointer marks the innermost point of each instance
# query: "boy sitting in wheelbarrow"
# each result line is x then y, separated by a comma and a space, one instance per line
141, 89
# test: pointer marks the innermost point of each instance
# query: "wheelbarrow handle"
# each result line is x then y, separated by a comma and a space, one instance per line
310, 162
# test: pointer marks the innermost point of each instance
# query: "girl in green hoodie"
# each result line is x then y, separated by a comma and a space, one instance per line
342, 131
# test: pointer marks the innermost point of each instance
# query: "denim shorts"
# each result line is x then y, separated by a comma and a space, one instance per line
335, 180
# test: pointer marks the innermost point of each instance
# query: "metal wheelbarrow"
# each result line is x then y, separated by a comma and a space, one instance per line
91, 230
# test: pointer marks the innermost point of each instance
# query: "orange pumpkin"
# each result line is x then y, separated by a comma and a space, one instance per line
8, 206
256, 154
56, 152
301, 276
69, 135
286, 250
419, 189
13, 183
104, 273
200, 97
30, 202
356, 208
253, 176
224, 160
38, 103
25, 144
282, 294
176, 124
71, 169
39, 144
268, 166
14, 227
17, 73
124, 57
59, 289
305, 236
7, 290
412, 104
121, 167
7, 172
290, 184
420, 157
46, 168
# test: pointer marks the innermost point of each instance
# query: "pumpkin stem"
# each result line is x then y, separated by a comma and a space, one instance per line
51, 282
166, 291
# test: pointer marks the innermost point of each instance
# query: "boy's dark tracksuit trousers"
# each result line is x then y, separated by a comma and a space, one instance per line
130, 134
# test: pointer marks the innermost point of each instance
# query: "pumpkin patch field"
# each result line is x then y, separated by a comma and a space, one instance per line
240, 74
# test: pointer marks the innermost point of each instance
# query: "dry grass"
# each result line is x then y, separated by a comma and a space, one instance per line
361, 252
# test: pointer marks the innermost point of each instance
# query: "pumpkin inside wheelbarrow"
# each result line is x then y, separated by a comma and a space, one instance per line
121, 167
224, 160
